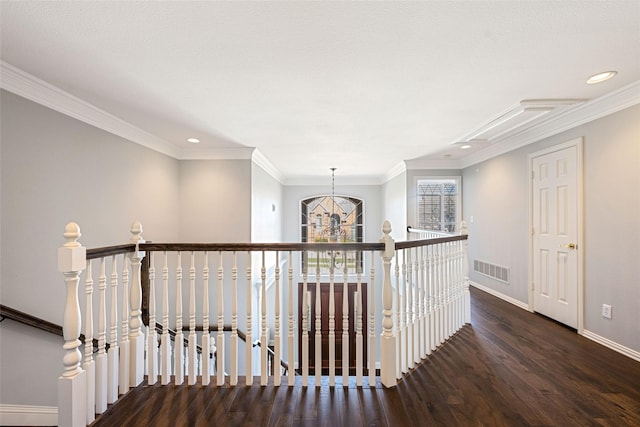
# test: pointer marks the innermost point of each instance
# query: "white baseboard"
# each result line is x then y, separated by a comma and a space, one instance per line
635, 355
500, 295
24, 415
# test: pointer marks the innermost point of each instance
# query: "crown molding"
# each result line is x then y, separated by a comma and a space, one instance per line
416, 164
32, 88
230, 153
260, 160
326, 181
610, 103
399, 168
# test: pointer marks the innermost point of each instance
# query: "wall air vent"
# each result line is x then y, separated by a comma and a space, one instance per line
491, 270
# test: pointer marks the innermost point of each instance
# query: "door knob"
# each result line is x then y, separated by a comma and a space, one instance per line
570, 246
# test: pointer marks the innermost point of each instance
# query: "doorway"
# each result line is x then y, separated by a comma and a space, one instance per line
324, 316
556, 233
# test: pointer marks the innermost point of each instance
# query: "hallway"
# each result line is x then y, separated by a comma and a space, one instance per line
508, 368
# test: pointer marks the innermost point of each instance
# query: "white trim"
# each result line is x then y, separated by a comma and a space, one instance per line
23, 84
325, 181
610, 103
629, 352
399, 168
578, 143
26, 415
414, 195
30, 87
229, 153
500, 295
260, 160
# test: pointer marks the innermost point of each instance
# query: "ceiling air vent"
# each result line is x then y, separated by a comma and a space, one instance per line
491, 270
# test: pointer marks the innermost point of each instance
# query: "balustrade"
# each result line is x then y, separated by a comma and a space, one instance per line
421, 291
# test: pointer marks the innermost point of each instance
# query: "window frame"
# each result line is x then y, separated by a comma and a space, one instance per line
416, 197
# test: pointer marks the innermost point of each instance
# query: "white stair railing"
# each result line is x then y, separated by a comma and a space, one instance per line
424, 301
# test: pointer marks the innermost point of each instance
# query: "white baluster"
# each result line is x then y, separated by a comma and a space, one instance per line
249, 339
277, 376
432, 297
359, 355
192, 377
465, 273
345, 324
416, 307
305, 322
206, 338
89, 364
371, 350
123, 381
387, 338
178, 345
114, 351
233, 379
421, 353
410, 312
332, 323
318, 325
136, 336
101, 358
397, 301
165, 340
264, 339
152, 337
404, 314
290, 342
72, 385
220, 340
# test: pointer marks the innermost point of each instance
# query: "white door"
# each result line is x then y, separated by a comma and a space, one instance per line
555, 179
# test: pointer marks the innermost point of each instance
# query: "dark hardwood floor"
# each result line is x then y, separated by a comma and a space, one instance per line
508, 368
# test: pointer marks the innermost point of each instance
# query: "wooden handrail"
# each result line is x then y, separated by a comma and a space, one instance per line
428, 242
110, 250
249, 247
36, 322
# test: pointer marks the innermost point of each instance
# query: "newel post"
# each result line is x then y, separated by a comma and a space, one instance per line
464, 231
72, 385
387, 339
136, 335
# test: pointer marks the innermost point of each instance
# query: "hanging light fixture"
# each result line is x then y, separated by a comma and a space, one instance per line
332, 223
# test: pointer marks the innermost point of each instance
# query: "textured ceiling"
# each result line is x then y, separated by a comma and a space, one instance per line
359, 86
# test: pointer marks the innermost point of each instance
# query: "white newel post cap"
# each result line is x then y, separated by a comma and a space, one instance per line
464, 230
136, 237
389, 247
72, 255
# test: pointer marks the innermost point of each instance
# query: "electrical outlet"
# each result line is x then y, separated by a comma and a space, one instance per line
606, 311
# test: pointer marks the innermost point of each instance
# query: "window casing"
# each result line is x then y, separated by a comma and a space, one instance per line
438, 203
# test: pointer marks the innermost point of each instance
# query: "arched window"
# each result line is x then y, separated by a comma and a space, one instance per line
335, 219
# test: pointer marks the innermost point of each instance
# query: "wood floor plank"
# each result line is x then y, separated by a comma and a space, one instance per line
509, 368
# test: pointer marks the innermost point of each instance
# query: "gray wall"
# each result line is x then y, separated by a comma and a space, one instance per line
394, 205
266, 206
56, 169
215, 200
496, 195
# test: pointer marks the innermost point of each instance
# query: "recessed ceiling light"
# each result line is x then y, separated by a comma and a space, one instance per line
193, 140
464, 147
600, 77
